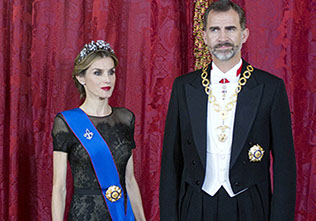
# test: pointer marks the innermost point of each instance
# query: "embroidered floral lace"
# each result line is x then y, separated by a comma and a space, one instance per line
117, 129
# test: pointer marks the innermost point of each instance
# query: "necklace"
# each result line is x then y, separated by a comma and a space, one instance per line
223, 113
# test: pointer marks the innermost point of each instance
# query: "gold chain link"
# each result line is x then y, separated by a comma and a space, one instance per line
233, 99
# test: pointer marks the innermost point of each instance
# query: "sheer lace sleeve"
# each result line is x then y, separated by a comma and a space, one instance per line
128, 118
62, 135
133, 130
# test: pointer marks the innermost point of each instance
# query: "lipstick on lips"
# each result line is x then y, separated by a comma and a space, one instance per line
106, 88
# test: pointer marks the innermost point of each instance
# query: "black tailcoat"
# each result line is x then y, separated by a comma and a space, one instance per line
262, 117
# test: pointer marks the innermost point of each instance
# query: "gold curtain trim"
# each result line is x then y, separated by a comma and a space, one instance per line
201, 52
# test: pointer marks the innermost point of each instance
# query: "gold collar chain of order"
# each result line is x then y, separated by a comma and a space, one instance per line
221, 130
233, 99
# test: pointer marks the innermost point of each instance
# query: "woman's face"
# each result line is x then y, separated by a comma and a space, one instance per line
99, 79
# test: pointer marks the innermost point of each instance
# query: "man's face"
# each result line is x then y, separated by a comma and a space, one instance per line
224, 35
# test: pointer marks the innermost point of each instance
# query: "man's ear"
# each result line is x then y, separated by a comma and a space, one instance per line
245, 35
204, 37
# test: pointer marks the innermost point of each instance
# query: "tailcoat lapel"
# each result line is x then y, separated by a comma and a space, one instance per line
197, 106
247, 106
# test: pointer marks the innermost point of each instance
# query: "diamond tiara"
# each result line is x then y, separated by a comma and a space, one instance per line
100, 45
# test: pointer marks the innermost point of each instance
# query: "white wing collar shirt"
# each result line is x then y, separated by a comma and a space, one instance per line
218, 152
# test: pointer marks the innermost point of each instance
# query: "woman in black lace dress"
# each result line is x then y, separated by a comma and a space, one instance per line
94, 76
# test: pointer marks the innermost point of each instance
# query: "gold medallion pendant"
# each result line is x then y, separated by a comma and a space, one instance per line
255, 153
113, 193
221, 134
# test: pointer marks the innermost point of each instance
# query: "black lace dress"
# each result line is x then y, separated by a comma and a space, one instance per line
117, 130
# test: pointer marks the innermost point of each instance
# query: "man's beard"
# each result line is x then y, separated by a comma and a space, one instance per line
225, 55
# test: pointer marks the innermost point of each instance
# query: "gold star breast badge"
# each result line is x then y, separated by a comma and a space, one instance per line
255, 153
113, 193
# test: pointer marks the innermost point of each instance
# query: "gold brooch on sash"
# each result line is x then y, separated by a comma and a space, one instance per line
113, 193
255, 153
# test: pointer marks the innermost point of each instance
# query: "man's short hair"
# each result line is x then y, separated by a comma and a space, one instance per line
224, 6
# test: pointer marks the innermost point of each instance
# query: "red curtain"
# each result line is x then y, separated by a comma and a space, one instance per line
154, 43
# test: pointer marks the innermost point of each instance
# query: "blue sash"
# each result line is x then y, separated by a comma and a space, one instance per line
102, 162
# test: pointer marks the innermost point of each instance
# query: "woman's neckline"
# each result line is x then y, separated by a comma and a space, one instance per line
105, 116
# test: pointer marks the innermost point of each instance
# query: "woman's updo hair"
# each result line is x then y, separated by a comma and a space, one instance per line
89, 54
